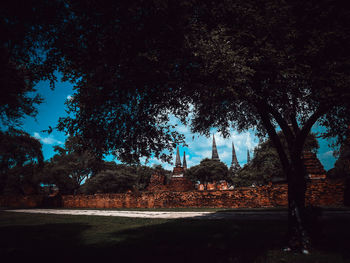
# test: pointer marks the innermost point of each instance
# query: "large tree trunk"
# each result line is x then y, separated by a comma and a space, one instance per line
298, 237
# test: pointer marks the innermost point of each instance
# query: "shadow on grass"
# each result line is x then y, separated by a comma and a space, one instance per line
42, 242
193, 240
333, 236
68, 239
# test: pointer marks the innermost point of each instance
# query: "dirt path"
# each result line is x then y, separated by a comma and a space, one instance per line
245, 215
140, 214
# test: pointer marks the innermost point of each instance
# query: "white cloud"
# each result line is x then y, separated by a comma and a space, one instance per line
327, 154
225, 156
183, 129
47, 140
204, 154
200, 147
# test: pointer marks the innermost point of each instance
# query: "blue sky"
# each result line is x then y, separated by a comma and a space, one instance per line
199, 147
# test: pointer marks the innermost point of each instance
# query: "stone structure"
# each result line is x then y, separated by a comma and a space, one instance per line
178, 191
180, 184
177, 182
234, 164
157, 183
214, 152
184, 163
248, 156
178, 170
313, 166
222, 185
322, 193
177, 160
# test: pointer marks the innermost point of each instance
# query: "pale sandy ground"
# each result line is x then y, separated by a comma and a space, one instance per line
140, 214
251, 215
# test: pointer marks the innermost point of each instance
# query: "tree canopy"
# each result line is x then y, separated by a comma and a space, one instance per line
265, 167
119, 178
112, 179
25, 37
20, 160
342, 165
208, 171
237, 64
71, 166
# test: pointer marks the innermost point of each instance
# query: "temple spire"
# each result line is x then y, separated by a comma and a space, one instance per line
215, 155
184, 163
178, 161
234, 164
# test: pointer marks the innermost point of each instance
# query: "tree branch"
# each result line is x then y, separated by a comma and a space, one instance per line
275, 139
305, 130
282, 123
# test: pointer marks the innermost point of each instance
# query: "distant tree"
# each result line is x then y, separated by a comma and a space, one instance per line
342, 168
266, 165
20, 159
208, 171
52, 175
124, 177
112, 179
144, 174
342, 165
72, 164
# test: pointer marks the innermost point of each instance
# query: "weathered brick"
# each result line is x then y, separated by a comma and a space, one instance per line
319, 193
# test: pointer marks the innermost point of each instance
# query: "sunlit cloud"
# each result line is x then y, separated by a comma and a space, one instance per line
47, 140
199, 147
327, 154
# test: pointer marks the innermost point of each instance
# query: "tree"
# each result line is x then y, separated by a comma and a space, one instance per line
71, 166
208, 171
265, 166
21, 158
113, 179
24, 37
238, 64
124, 42
268, 69
144, 174
342, 165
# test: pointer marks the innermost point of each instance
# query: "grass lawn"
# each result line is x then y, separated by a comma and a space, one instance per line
65, 238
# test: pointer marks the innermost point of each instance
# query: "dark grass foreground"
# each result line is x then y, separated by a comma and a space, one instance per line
58, 238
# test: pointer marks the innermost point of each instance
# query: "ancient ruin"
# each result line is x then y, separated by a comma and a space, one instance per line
178, 191
235, 167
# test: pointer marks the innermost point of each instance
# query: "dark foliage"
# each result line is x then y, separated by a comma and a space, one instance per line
110, 181
208, 171
114, 178
21, 159
342, 165
71, 166
23, 55
233, 64
265, 167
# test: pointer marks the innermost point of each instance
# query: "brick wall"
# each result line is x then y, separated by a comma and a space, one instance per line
17, 201
319, 193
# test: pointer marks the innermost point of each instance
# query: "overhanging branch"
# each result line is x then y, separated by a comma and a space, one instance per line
275, 139
305, 130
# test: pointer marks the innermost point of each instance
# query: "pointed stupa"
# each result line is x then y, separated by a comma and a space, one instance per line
248, 156
184, 163
234, 164
178, 161
215, 155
